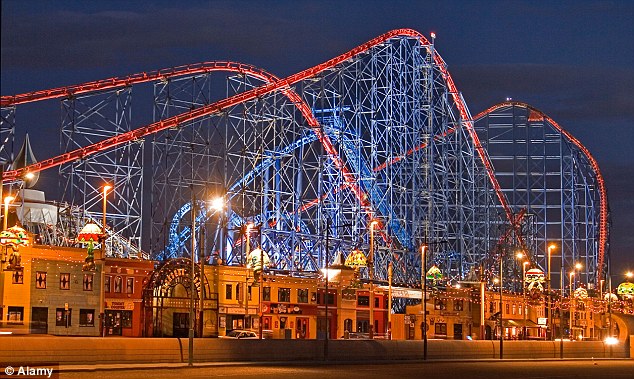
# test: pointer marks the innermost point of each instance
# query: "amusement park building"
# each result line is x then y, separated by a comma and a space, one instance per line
52, 294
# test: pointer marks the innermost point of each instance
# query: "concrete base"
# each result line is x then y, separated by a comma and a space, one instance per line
16, 350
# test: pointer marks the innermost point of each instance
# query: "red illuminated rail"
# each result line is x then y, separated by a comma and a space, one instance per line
275, 84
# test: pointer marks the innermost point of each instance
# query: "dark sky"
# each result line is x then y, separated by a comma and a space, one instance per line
574, 60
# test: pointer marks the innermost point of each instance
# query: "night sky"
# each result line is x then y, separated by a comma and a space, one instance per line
574, 60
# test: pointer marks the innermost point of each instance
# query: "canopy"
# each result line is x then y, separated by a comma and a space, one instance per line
90, 233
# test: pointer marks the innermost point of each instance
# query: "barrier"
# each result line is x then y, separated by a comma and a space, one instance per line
97, 350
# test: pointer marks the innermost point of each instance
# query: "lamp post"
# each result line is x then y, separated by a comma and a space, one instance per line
193, 268
389, 301
524, 297
423, 258
218, 205
103, 214
7, 200
247, 246
572, 283
549, 327
371, 275
501, 310
571, 276
102, 275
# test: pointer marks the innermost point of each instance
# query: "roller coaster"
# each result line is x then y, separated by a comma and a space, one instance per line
377, 134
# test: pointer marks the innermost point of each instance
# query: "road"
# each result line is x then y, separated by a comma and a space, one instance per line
613, 369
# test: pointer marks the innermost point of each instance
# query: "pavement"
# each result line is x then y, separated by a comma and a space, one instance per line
148, 366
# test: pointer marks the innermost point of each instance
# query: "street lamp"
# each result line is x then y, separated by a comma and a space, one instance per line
572, 274
423, 272
102, 274
192, 311
389, 301
247, 248
548, 297
7, 200
103, 214
501, 310
578, 266
524, 305
371, 274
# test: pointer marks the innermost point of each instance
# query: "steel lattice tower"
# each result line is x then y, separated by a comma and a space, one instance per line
548, 173
87, 120
389, 145
377, 133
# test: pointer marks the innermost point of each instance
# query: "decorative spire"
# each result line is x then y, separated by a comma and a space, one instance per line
26, 158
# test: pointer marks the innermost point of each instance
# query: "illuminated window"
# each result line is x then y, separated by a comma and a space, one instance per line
458, 305
15, 315
64, 281
106, 284
284, 295
266, 294
129, 286
118, 284
17, 277
63, 317
440, 304
40, 280
86, 317
440, 329
302, 295
88, 280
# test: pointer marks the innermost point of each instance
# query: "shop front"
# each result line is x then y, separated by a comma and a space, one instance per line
288, 321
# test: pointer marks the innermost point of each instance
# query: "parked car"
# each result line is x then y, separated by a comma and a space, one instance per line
241, 335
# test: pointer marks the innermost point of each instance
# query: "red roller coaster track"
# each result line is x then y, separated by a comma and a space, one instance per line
273, 85
603, 212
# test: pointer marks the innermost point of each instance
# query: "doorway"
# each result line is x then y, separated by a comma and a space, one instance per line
457, 331
301, 328
39, 320
180, 324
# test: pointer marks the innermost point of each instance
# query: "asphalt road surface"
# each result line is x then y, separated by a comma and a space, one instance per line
579, 369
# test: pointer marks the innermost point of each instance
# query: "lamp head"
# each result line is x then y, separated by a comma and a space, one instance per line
8, 199
519, 255
578, 266
106, 188
218, 204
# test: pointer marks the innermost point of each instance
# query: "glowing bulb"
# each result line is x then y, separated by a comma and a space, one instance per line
218, 203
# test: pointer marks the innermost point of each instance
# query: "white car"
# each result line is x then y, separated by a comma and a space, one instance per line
241, 335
